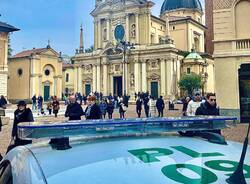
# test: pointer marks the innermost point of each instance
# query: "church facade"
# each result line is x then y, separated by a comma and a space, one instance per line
35, 72
135, 51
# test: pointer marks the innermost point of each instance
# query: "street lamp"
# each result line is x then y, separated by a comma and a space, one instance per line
125, 46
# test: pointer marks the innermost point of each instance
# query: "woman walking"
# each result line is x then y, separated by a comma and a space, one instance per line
56, 106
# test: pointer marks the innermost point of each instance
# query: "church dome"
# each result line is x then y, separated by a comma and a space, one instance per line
169, 5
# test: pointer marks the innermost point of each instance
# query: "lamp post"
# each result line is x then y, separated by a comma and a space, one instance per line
125, 46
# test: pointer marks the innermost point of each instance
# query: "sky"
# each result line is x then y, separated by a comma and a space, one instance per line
55, 20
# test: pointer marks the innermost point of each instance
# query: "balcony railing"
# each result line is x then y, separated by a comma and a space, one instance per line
243, 44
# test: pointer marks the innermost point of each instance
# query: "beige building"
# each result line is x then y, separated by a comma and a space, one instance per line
232, 56
203, 66
68, 78
153, 63
5, 29
36, 71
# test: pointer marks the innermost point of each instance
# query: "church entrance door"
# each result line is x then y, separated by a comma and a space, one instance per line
87, 89
244, 85
46, 92
154, 89
117, 86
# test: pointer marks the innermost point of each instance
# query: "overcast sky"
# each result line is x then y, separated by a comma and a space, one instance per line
55, 20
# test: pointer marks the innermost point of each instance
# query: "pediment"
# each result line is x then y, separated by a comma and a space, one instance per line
110, 5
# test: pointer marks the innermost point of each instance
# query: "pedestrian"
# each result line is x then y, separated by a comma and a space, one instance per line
194, 104
103, 107
139, 106
93, 110
22, 114
85, 99
49, 107
34, 102
74, 110
122, 108
209, 108
56, 106
152, 107
110, 109
3, 102
146, 106
160, 105
39, 103
185, 102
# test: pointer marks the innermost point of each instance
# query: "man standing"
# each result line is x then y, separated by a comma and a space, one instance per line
209, 108
146, 105
40, 103
194, 104
33, 102
139, 106
160, 106
74, 110
3, 102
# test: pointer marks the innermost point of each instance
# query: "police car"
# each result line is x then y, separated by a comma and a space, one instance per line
126, 151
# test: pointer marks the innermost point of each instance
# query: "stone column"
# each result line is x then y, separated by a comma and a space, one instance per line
163, 77
127, 27
149, 28
98, 76
40, 86
105, 77
108, 28
137, 36
79, 79
95, 34
75, 79
99, 34
137, 76
55, 85
169, 76
144, 75
94, 78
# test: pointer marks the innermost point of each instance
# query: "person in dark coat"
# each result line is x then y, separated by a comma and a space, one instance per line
56, 106
93, 110
34, 102
139, 106
209, 108
146, 106
103, 107
110, 109
74, 110
22, 114
122, 109
3, 102
160, 105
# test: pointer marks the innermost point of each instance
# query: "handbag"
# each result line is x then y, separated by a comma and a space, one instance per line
124, 108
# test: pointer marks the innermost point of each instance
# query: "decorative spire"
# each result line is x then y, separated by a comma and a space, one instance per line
167, 31
48, 46
81, 48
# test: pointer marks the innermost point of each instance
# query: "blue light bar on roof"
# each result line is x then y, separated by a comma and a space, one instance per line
121, 127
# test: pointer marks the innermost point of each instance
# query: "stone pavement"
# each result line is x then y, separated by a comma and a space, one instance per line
236, 133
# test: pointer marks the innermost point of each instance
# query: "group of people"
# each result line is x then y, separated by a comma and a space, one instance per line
52, 105
150, 105
191, 107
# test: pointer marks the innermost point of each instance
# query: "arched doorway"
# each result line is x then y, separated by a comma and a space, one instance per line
244, 92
